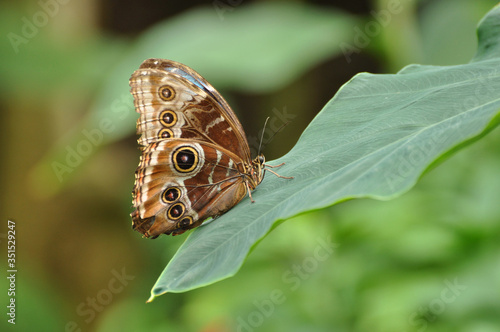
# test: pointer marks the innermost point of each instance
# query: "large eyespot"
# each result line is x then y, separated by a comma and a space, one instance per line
171, 195
165, 133
176, 211
166, 92
185, 159
185, 222
168, 118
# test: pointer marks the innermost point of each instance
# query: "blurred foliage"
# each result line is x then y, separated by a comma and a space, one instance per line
305, 35
394, 260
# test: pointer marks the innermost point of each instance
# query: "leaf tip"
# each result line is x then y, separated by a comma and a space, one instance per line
151, 298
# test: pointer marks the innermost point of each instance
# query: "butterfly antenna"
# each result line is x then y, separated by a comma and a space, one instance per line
280, 129
274, 134
262, 136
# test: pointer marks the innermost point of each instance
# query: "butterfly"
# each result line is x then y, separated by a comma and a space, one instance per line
195, 161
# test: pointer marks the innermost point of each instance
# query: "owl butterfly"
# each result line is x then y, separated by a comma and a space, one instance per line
195, 160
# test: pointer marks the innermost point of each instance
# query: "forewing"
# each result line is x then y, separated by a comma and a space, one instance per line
176, 102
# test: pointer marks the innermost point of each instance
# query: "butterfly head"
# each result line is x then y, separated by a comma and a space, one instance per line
257, 171
261, 159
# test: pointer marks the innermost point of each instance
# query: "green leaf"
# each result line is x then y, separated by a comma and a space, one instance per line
374, 139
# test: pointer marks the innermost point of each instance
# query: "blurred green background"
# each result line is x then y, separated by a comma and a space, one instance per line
427, 261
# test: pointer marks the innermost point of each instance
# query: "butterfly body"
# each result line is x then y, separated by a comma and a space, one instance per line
195, 160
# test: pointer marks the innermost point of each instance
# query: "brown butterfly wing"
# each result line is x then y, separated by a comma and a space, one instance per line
174, 193
176, 102
194, 150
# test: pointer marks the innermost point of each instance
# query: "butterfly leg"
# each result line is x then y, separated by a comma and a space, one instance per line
271, 166
280, 176
249, 192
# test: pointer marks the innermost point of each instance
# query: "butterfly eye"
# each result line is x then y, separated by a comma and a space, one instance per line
167, 93
262, 160
176, 211
171, 195
185, 159
185, 222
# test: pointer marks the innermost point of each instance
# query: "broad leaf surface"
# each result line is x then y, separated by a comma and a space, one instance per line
375, 138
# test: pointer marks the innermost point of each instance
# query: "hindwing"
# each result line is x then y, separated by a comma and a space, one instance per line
179, 183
